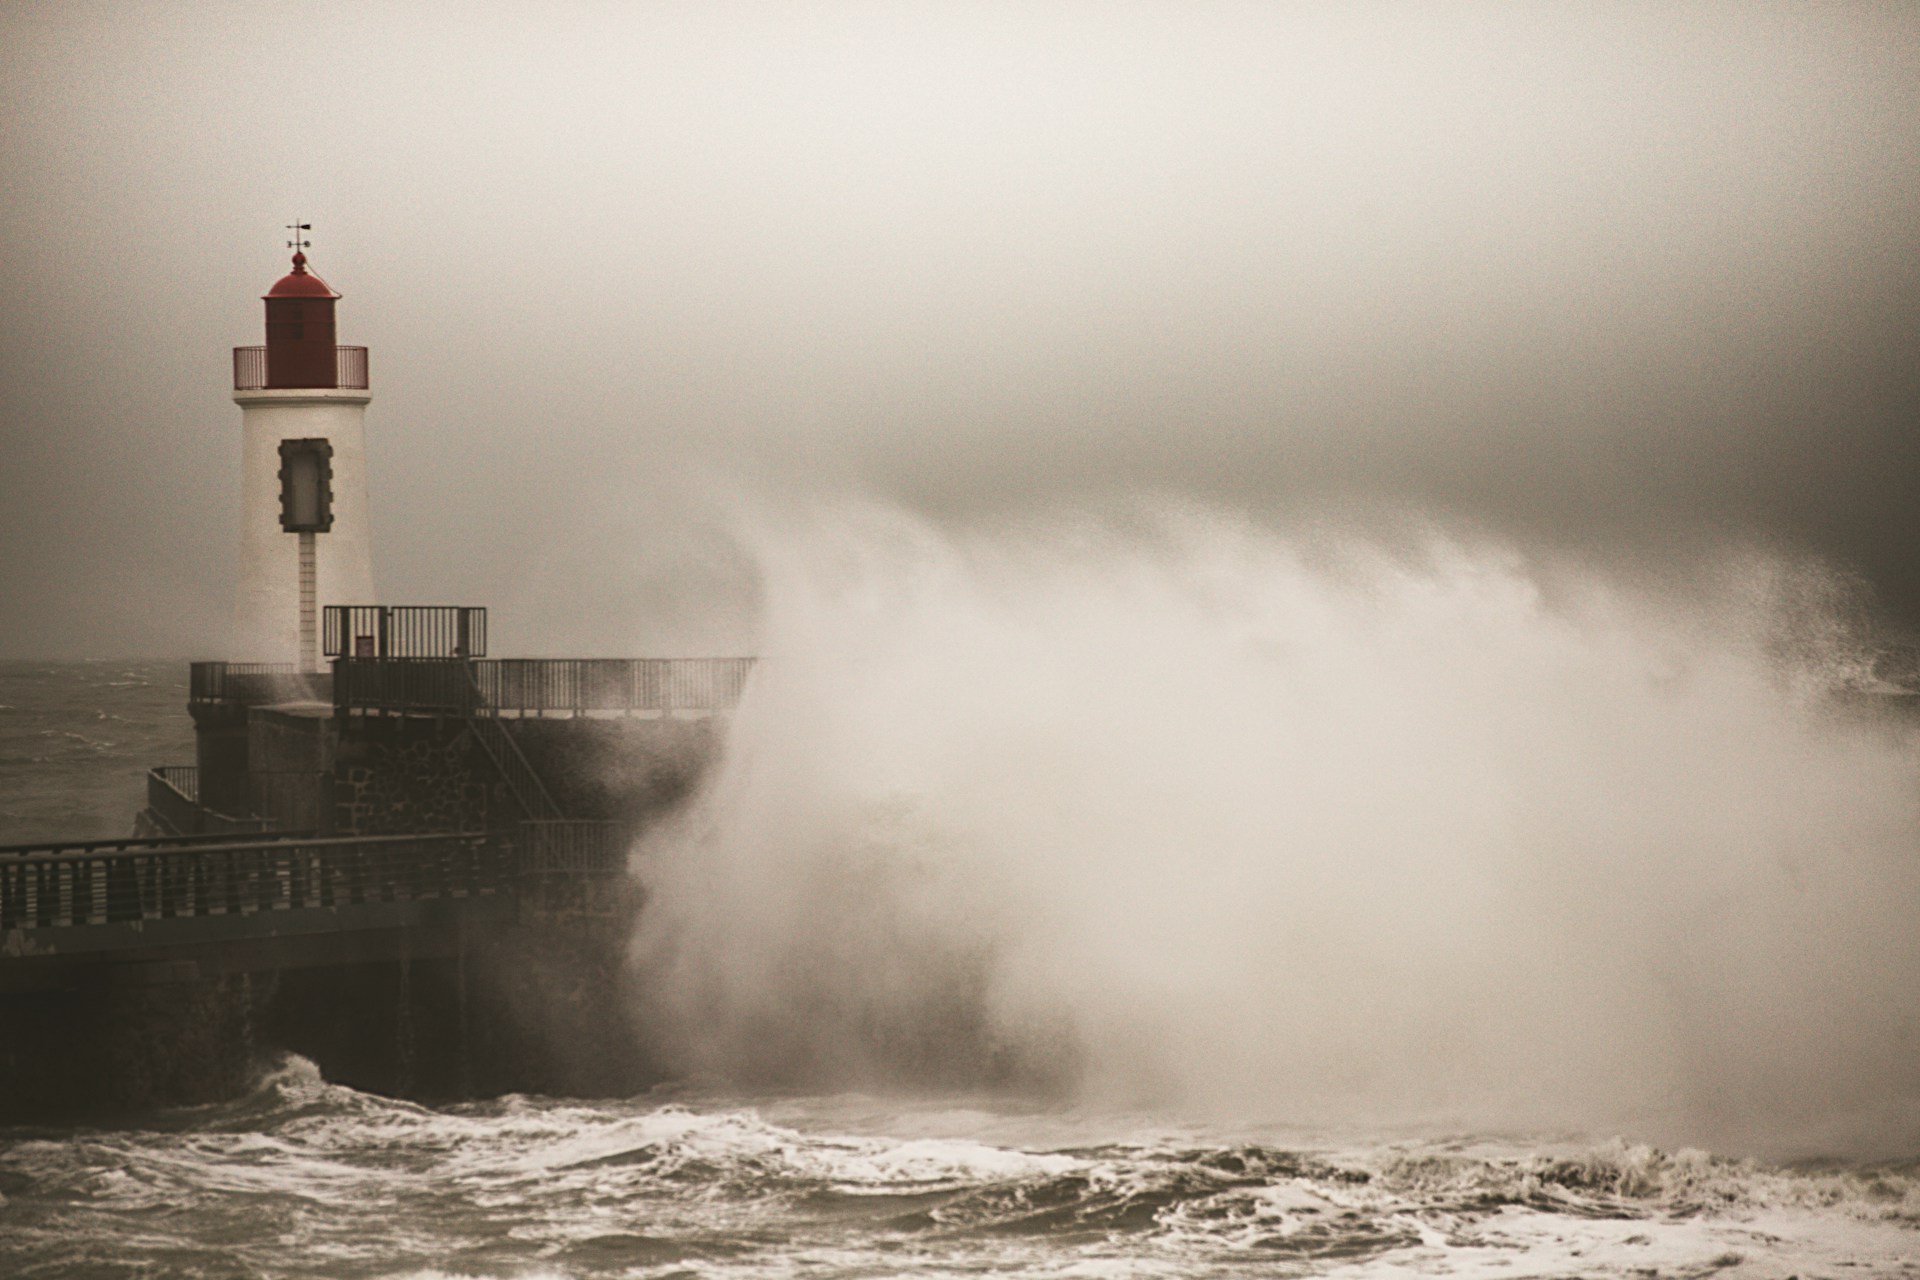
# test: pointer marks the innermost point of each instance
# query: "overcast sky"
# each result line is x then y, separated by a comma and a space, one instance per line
1613, 277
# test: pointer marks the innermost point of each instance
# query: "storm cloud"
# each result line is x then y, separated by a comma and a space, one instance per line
1620, 280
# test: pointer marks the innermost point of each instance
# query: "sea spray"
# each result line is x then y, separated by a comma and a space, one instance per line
1185, 812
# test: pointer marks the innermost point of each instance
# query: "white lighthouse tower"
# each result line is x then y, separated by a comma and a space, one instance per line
304, 537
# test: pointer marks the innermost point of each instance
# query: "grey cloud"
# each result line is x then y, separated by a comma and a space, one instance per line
1610, 278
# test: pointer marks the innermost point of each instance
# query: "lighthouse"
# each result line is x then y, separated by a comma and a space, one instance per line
304, 538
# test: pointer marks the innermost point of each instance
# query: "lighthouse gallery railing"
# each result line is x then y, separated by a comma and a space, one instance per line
250, 368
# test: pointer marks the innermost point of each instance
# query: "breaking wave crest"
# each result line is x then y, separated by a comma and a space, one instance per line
305, 1178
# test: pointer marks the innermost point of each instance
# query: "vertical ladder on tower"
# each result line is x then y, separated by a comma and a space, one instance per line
309, 628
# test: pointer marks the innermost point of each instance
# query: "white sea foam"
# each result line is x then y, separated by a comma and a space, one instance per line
324, 1182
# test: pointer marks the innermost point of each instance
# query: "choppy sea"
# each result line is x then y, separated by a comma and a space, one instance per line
304, 1178
77, 739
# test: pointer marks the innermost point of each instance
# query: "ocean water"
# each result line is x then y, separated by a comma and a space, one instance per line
77, 739
306, 1178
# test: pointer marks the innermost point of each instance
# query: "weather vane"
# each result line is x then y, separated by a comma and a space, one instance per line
299, 241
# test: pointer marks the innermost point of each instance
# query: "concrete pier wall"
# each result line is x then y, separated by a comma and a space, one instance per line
540, 1007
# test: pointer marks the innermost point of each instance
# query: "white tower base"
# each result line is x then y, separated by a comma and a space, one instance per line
267, 615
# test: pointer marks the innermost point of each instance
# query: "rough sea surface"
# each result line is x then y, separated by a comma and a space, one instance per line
303, 1178
77, 739
308, 1179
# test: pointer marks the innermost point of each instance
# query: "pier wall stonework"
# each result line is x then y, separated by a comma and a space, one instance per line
128, 1047
545, 1008
630, 769
400, 775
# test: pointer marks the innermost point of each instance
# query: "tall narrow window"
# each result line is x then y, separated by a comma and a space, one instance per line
306, 486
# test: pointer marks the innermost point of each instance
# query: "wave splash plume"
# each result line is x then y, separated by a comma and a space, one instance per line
1185, 813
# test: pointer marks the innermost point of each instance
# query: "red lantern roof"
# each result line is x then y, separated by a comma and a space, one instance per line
300, 283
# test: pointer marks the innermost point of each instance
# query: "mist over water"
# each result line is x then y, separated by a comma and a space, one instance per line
1307, 827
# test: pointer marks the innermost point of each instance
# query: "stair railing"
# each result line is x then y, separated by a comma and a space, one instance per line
522, 779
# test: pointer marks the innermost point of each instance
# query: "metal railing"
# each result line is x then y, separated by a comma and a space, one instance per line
76, 887
437, 686
173, 794
254, 684
349, 369
404, 631
573, 846
541, 686
575, 867
182, 780
522, 779
36, 848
